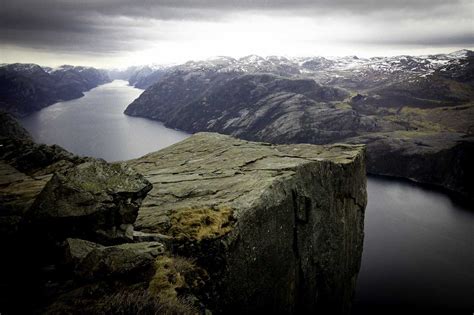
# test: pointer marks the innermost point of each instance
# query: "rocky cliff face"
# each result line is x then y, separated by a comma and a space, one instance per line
25, 88
278, 229
257, 107
228, 226
418, 110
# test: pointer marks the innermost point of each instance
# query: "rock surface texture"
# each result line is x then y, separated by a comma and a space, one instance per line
278, 229
93, 200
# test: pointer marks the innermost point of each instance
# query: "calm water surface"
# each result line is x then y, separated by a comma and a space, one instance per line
95, 125
418, 251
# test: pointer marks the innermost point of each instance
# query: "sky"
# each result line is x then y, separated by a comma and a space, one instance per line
120, 33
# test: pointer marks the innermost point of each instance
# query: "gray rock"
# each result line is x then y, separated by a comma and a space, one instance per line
278, 228
139, 236
94, 200
75, 250
118, 261
441, 158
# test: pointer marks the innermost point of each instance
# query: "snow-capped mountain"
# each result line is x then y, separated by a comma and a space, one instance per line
349, 72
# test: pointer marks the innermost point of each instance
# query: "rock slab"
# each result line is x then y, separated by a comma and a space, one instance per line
279, 228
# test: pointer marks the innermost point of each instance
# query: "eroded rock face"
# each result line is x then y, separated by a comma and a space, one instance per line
278, 228
443, 158
94, 200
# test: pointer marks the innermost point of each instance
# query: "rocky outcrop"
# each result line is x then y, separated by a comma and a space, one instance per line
123, 260
229, 226
25, 88
277, 228
25, 168
48, 197
93, 200
443, 159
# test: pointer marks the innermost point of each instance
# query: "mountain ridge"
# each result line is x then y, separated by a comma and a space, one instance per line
419, 110
25, 88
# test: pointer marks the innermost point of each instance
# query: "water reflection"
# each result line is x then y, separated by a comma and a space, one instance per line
418, 250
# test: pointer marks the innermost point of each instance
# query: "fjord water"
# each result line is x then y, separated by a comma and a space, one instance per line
94, 125
418, 253
419, 244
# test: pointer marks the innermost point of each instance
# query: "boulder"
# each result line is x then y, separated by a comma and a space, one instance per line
123, 260
94, 200
75, 250
278, 228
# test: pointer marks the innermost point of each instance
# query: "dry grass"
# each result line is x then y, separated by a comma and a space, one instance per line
143, 302
174, 278
201, 223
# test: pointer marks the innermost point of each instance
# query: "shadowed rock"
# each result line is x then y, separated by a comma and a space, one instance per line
120, 260
278, 228
94, 200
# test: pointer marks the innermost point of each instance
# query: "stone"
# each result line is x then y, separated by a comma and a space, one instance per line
94, 200
75, 250
122, 260
278, 228
139, 236
443, 159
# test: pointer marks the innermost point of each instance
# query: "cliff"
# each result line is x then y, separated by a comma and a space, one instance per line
278, 229
209, 224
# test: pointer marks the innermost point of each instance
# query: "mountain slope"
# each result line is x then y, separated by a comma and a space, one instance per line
412, 112
25, 88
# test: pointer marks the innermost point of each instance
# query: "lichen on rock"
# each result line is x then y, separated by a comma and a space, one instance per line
93, 200
278, 228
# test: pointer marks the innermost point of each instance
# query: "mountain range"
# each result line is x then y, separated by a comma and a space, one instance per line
415, 114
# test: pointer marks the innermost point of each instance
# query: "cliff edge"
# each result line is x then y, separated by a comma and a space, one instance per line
277, 228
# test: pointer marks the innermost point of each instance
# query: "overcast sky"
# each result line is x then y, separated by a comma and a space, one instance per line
109, 33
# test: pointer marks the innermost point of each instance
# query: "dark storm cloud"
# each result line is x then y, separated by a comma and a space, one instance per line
107, 26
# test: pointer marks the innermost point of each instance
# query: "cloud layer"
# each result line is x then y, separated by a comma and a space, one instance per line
114, 29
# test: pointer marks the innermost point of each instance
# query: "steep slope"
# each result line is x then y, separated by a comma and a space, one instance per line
257, 106
278, 229
25, 88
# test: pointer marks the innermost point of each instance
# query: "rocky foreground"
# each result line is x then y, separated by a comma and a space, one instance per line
211, 224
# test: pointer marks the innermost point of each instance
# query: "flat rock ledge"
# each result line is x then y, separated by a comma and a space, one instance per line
276, 228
